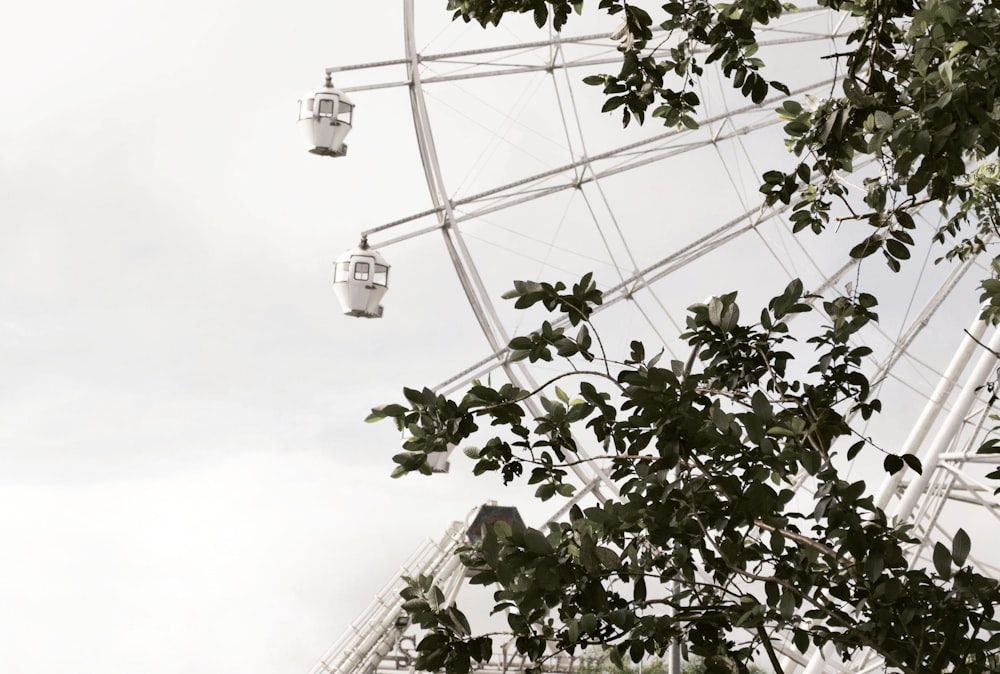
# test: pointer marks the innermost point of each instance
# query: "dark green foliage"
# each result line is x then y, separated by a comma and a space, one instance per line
704, 453
600, 664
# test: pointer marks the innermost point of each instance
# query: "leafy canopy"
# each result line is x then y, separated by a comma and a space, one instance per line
705, 455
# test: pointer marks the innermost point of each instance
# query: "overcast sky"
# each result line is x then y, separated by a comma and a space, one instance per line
186, 483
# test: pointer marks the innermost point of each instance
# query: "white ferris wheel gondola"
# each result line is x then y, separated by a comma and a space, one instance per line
325, 118
360, 279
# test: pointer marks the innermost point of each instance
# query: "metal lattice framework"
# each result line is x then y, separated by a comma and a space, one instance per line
923, 359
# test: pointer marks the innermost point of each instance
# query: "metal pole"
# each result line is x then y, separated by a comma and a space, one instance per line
949, 430
675, 647
934, 406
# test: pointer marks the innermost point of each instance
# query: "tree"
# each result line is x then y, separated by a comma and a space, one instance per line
704, 453
703, 542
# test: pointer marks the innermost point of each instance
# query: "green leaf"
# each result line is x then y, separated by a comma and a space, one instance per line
944, 70
535, 542
541, 14
639, 590
730, 317
761, 406
810, 462
942, 560
801, 640
914, 463
613, 103
853, 91
607, 557
573, 630
905, 220
787, 605
893, 463
793, 108
897, 249
956, 48
384, 411
458, 621
853, 450
636, 651
638, 353
874, 565
961, 545
565, 489
867, 247
490, 545
991, 446
436, 598
715, 308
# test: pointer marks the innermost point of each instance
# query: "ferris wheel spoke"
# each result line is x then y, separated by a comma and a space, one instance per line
638, 280
458, 65
524, 190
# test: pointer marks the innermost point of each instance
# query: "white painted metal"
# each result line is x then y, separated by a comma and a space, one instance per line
985, 368
360, 279
325, 118
933, 407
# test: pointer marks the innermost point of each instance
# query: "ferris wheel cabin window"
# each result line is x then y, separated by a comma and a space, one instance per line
361, 271
325, 107
345, 113
381, 276
342, 273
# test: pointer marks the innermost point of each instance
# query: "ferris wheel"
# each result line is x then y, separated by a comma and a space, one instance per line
527, 179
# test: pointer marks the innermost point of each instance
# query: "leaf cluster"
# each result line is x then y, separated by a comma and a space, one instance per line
707, 540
